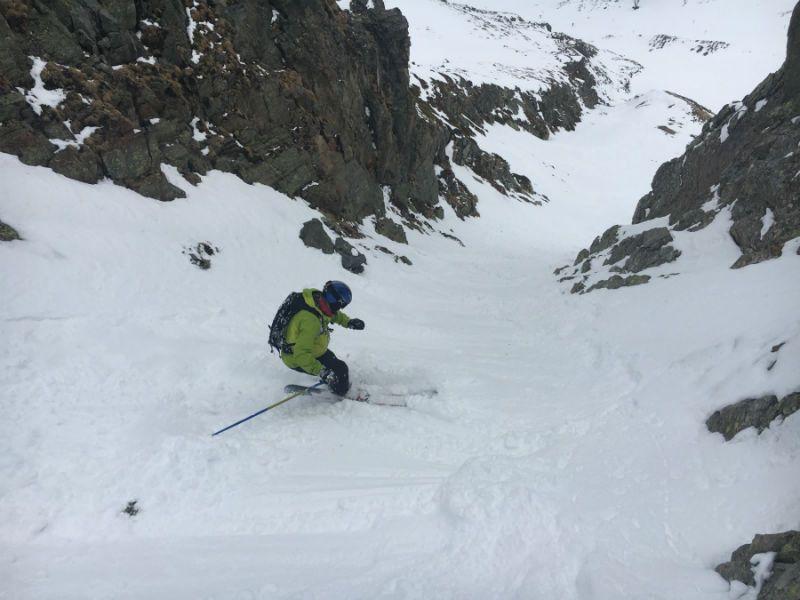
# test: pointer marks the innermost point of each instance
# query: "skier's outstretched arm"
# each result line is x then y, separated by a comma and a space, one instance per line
345, 321
341, 319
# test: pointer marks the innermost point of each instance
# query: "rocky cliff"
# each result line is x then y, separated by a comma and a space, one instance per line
300, 95
297, 95
745, 166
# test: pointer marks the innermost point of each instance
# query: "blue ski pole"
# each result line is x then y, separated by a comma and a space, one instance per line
289, 397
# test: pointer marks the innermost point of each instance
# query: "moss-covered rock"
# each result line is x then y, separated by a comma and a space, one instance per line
392, 230
8, 233
81, 164
31, 146
752, 412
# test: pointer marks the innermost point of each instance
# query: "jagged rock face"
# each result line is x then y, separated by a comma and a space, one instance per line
560, 106
784, 581
492, 167
456, 194
298, 95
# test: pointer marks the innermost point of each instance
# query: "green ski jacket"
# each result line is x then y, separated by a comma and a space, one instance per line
310, 336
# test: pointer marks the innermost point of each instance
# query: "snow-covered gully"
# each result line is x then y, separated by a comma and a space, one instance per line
565, 453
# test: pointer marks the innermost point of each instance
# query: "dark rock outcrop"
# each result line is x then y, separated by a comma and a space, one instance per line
394, 231
784, 581
745, 161
200, 254
752, 412
492, 167
617, 281
314, 235
648, 249
8, 233
641, 251
457, 195
352, 260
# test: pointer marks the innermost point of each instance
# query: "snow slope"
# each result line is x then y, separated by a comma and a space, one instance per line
597, 172
486, 46
721, 49
565, 455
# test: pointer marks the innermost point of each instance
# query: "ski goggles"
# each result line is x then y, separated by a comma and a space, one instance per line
334, 300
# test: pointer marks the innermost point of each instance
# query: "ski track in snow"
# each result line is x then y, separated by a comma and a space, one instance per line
565, 455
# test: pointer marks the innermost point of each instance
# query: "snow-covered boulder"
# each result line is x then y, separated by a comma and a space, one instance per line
770, 564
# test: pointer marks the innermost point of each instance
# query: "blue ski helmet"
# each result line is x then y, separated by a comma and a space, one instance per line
337, 295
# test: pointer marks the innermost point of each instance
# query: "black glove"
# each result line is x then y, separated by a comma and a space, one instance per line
355, 324
326, 374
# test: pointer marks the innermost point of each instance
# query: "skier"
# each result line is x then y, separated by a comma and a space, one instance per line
300, 332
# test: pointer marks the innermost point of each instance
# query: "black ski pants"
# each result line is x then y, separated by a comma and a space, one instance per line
339, 381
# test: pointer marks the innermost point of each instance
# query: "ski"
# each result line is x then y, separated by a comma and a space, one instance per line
390, 398
292, 388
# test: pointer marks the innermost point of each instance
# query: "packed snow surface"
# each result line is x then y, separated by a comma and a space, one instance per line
564, 456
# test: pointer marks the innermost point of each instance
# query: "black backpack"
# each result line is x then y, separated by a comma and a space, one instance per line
293, 304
